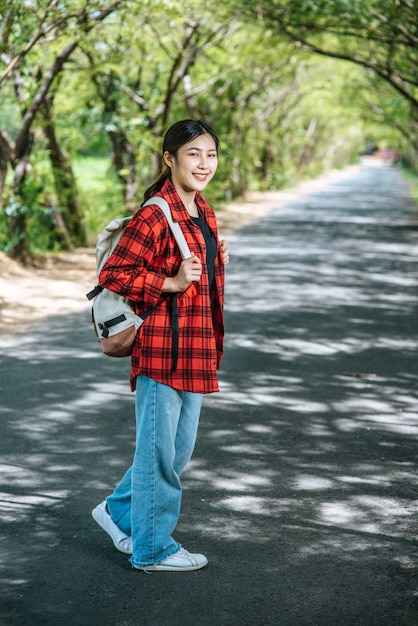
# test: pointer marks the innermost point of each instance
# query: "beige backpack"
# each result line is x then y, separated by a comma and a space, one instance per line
113, 317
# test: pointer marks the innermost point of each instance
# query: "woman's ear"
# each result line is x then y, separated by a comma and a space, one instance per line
168, 159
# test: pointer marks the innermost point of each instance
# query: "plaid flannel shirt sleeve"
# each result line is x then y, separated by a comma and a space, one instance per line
129, 271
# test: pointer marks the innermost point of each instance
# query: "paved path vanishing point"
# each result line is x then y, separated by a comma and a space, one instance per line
302, 489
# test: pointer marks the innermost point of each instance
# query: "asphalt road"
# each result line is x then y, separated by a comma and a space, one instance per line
302, 490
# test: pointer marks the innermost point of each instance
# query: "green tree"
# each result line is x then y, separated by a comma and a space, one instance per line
77, 84
140, 78
35, 46
379, 35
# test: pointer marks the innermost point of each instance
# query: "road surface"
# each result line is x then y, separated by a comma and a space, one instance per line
302, 489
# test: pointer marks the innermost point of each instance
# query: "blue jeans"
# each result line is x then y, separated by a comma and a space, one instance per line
146, 503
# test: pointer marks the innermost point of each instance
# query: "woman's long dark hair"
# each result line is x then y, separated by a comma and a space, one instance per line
177, 135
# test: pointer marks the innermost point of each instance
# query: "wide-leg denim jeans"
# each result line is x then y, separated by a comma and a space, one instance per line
146, 503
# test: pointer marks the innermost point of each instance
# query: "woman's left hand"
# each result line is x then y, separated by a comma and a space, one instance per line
225, 251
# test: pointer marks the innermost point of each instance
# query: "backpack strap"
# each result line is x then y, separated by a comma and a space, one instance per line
174, 226
104, 327
185, 254
94, 292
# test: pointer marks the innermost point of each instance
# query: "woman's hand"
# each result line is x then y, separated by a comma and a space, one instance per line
190, 271
225, 251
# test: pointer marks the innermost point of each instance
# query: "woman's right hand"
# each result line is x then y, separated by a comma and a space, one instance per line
190, 271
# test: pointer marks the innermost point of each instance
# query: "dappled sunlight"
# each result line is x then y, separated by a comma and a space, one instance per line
14, 475
327, 545
234, 481
26, 347
57, 423
383, 479
17, 508
307, 455
380, 423
369, 514
307, 482
47, 417
254, 505
318, 390
292, 348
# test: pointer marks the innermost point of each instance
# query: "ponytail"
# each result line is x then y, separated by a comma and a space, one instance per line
158, 183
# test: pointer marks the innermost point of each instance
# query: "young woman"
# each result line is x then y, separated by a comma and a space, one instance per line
177, 350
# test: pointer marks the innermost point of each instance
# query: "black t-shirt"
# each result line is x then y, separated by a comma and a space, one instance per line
211, 246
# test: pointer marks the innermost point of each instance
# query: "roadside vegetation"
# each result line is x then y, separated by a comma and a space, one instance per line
412, 178
88, 87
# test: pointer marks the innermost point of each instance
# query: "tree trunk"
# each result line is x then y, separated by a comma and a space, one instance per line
267, 160
17, 217
18, 236
69, 219
124, 162
238, 185
123, 153
4, 162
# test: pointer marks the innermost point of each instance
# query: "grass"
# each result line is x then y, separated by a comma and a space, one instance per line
412, 178
100, 193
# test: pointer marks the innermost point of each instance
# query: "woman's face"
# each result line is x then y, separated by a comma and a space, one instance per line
194, 165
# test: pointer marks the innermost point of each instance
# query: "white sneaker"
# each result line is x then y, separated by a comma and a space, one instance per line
180, 561
122, 542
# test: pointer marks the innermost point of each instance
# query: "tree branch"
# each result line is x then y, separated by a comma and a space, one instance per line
55, 69
42, 32
139, 100
8, 143
395, 81
408, 4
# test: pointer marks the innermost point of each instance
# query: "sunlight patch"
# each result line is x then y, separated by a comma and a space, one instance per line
242, 449
249, 504
389, 423
312, 483
259, 429
15, 506
370, 514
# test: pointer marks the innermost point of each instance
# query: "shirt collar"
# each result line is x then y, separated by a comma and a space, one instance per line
179, 211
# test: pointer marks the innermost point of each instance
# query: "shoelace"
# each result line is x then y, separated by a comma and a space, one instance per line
183, 552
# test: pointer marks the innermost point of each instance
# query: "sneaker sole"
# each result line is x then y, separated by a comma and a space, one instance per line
170, 568
96, 516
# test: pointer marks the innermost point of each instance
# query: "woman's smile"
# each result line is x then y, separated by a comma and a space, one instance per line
193, 166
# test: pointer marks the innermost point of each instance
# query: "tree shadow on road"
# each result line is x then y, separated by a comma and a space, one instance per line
302, 488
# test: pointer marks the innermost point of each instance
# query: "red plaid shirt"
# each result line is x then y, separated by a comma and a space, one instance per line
137, 268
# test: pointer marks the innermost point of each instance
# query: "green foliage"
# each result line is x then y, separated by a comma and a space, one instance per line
9, 114
412, 178
282, 114
100, 192
33, 206
379, 35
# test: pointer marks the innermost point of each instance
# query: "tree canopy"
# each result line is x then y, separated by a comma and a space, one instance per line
292, 88
379, 35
